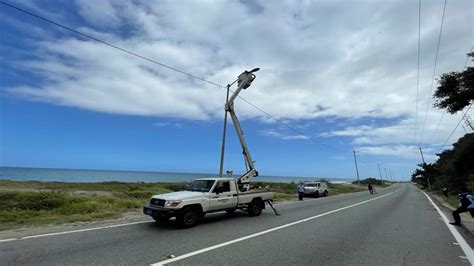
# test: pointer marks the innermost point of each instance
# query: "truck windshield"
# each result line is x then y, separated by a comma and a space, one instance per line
201, 185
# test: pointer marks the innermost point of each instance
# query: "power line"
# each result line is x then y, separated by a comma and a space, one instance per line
452, 132
109, 44
434, 71
444, 113
166, 66
418, 67
288, 126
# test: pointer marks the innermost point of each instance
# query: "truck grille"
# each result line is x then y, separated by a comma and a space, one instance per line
158, 202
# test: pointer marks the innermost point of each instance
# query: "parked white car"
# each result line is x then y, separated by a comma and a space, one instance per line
316, 189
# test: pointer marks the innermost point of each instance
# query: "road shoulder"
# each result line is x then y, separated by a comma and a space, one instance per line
467, 228
127, 218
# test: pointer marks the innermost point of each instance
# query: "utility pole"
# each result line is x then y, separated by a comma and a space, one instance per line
380, 174
427, 177
221, 168
468, 122
357, 168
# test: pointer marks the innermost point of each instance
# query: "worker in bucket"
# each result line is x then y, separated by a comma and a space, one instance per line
301, 191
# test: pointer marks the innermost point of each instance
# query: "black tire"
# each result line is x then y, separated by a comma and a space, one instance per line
316, 194
161, 219
326, 193
255, 208
188, 218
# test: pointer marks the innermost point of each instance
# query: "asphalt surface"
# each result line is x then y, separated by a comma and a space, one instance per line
397, 226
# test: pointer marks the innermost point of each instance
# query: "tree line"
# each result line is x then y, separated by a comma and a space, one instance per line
454, 168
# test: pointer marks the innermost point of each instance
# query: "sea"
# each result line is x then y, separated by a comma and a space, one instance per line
82, 175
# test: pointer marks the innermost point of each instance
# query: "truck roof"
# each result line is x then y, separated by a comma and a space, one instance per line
216, 178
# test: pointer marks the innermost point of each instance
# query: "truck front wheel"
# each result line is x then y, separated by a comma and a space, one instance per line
187, 218
255, 208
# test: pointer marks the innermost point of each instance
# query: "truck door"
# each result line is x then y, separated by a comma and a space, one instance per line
224, 196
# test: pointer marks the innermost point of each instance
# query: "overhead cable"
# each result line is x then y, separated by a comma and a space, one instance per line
166, 66
434, 71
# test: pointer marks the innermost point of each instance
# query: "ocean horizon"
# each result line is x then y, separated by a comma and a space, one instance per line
88, 176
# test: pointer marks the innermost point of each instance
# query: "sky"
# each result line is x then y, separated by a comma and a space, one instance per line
339, 76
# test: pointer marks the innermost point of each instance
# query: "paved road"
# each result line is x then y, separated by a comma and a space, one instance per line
397, 226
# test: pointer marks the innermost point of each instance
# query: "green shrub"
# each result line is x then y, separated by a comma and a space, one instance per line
44, 200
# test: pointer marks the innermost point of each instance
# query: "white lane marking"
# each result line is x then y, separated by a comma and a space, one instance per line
6, 240
187, 255
462, 243
74, 231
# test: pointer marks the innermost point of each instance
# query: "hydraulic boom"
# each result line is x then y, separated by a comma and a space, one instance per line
243, 82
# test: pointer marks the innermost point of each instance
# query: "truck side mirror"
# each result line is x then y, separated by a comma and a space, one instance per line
218, 190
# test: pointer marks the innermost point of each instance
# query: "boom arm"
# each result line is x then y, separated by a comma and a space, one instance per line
244, 80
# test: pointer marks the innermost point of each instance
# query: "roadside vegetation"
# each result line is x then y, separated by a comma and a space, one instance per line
373, 181
36, 203
454, 168
32, 203
288, 191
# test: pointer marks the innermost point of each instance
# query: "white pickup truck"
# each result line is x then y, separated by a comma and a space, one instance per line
316, 189
206, 195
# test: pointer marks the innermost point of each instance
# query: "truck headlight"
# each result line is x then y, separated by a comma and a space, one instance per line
172, 203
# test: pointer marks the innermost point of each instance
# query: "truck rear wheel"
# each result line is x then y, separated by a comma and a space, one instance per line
326, 193
255, 208
187, 218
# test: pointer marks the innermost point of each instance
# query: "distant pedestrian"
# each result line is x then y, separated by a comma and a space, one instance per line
371, 189
301, 191
466, 204
445, 191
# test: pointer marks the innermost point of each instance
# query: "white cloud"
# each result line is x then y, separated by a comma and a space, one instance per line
402, 151
167, 124
276, 134
323, 60
161, 124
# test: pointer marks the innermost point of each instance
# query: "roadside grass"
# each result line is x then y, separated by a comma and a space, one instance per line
39, 203
35, 203
452, 200
335, 189
288, 191
99, 186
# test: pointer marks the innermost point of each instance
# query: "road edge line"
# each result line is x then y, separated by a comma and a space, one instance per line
197, 252
73, 231
462, 242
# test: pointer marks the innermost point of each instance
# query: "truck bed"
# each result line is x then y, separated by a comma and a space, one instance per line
247, 196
